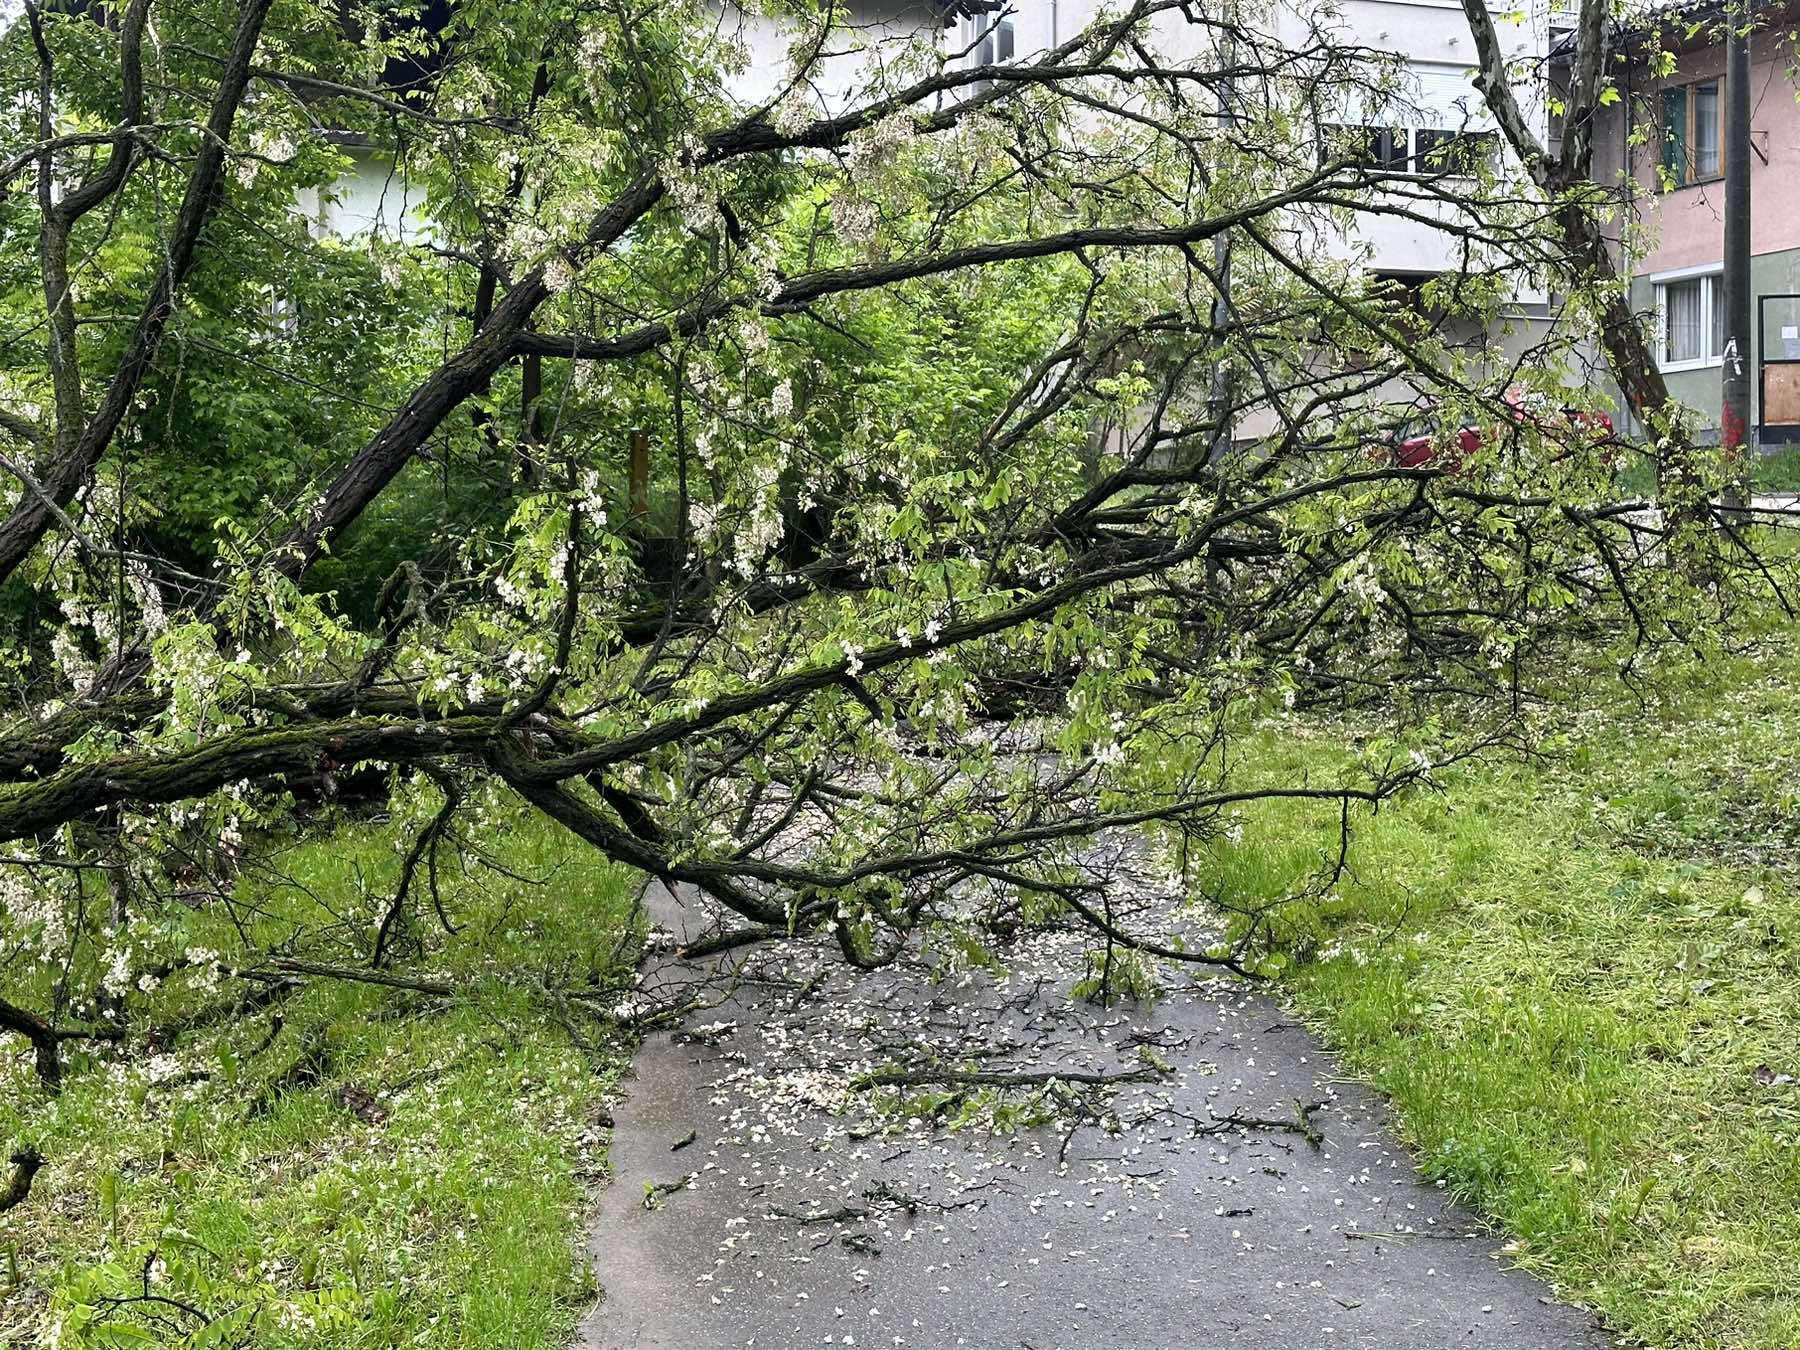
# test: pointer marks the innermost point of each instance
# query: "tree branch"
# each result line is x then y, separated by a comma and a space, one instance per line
26, 1163
82, 441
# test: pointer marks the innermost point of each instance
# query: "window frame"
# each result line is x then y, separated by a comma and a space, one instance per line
983, 36
1403, 149
1677, 145
1711, 279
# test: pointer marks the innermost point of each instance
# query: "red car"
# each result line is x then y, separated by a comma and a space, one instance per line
1452, 451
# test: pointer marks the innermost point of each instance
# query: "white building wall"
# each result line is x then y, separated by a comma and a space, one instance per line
875, 34
1432, 35
371, 198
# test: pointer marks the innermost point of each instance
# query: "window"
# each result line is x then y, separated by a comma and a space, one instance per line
1390, 148
1404, 150
1387, 148
989, 41
1690, 321
1459, 153
1692, 131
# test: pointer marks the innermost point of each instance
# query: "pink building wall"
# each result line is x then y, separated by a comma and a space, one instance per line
1686, 226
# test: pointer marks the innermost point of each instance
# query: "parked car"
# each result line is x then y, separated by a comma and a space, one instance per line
1425, 443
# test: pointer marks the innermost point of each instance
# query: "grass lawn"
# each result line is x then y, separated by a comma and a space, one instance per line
1579, 982
354, 1165
1578, 979
1776, 470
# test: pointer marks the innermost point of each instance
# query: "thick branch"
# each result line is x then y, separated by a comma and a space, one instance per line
28, 523
43, 1038
74, 793
1495, 84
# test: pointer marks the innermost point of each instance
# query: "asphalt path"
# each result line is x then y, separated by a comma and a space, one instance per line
1233, 1190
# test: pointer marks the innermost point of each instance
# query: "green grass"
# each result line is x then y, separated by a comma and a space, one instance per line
1779, 470
378, 1168
1579, 982
1776, 470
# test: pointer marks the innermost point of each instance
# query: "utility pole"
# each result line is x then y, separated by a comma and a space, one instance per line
1734, 412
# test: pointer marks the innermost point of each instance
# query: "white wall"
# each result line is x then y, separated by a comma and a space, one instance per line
876, 33
371, 198
1432, 35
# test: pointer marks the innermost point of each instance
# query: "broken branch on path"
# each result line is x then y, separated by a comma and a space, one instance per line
884, 1197
654, 1191
727, 940
1300, 1123
998, 1078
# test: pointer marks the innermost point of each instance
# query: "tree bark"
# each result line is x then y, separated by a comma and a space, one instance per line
76, 792
32, 518
1621, 336
26, 1163
44, 1041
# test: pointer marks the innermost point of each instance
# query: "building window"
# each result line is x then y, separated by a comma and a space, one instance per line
1367, 147
1693, 129
1690, 322
1424, 150
1458, 153
988, 40
1390, 148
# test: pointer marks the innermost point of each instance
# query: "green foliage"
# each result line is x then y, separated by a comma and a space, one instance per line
1577, 980
1113, 973
353, 1165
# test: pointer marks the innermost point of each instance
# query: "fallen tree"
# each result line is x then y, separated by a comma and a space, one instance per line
962, 323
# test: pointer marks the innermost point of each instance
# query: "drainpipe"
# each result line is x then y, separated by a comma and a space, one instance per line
1734, 411
1054, 38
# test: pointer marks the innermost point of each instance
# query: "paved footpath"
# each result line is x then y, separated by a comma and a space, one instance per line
1189, 1208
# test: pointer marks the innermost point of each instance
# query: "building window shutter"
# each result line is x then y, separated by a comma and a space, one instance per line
1674, 127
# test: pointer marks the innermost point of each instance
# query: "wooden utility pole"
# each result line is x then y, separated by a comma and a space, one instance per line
1734, 410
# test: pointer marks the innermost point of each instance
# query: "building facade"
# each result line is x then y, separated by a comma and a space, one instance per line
1431, 36
1663, 144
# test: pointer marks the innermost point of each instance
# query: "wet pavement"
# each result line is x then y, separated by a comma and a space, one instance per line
1228, 1190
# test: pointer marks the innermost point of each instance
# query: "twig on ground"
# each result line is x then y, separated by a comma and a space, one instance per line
1300, 1123
727, 940
1000, 1078
654, 1191
1373, 1236
883, 1197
